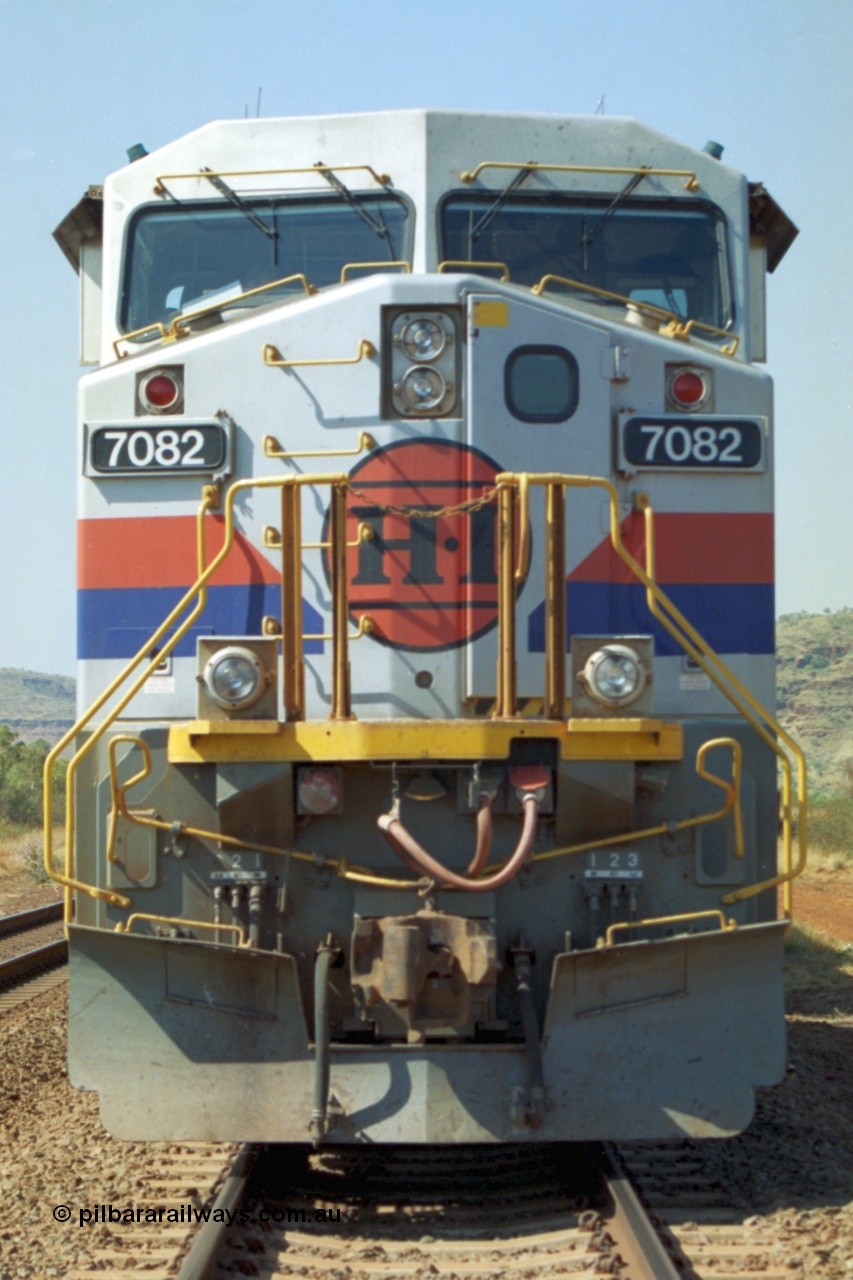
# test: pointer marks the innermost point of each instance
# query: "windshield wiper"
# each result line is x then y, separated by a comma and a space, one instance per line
225, 190
587, 237
377, 225
493, 209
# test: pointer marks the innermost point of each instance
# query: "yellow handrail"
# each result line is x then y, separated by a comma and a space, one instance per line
523, 563
272, 357
118, 791
176, 329
402, 263
531, 166
364, 533
366, 627
675, 326
685, 916
732, 790
383, 179
126, 925
272, 449
450, 263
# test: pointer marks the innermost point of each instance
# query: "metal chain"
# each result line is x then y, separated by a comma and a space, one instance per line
429, 513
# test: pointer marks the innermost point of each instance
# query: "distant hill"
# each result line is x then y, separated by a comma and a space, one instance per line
814, 693
36, 705
814, 687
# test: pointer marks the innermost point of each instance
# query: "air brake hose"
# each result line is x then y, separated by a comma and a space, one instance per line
535, 1108
327, 953
484, 836
415, 855
482, 848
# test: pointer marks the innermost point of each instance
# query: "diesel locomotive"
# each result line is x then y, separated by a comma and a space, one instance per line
426, 786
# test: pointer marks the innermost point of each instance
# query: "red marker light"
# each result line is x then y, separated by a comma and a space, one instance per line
688, 388
319, 790
160, 391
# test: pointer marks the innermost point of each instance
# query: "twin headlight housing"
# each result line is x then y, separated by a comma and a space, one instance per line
422, 375
611, 676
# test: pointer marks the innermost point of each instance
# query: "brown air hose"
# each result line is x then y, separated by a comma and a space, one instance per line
416, 857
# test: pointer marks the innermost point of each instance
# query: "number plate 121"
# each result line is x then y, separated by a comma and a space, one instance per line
180, 447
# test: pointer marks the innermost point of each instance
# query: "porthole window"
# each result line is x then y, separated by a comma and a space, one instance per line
541, 384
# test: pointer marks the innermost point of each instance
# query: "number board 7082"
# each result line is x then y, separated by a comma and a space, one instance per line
681, 443
176, 446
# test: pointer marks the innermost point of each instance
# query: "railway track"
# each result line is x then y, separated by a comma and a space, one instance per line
21, 921
470, 1214
32, 947
706, 1234
648, 1212
155, 1225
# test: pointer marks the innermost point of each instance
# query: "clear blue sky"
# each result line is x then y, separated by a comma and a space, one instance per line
84, 79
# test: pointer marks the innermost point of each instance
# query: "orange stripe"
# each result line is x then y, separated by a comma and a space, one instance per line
161, 552
716, 547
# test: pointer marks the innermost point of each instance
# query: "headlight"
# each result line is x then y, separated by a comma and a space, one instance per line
423, 339
423, 388
421, 363
234, 678
614, 676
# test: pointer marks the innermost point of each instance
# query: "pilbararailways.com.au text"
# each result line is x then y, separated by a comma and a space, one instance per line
192, 1215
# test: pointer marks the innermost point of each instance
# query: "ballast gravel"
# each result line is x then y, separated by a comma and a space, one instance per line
54, 1153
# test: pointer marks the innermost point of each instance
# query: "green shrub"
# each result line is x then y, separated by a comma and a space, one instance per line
21, 772
831, 825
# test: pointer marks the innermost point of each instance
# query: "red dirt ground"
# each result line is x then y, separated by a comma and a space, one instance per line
824, 901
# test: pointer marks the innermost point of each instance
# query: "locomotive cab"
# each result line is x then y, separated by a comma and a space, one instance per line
424, 786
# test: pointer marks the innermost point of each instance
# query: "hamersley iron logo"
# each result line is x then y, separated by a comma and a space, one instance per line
428, 575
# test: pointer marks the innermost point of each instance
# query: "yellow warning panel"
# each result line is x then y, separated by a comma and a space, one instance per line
491, 314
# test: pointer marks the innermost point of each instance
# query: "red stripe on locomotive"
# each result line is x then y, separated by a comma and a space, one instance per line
160, 551
711, 547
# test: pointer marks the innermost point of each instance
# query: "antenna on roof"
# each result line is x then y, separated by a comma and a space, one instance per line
599, 110
258, 108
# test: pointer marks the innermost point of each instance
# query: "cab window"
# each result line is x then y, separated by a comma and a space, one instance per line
668, 252
186, 255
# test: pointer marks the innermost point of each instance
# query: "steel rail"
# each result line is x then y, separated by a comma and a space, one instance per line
634, 1237
17, 968
30, 919
200, 1262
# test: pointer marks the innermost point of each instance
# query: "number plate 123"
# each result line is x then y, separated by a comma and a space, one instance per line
613, 864
181, 447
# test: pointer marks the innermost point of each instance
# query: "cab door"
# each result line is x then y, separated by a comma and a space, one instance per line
538, 400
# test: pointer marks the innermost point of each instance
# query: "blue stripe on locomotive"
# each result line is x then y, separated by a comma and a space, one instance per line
116, 622
732, 618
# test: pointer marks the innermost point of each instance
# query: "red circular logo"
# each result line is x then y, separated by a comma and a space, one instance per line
428, 581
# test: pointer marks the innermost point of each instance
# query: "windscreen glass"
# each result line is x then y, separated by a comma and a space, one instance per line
669, 253
185, 256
